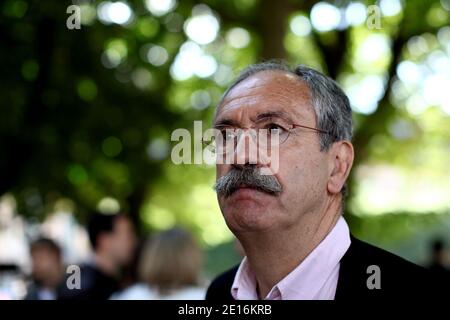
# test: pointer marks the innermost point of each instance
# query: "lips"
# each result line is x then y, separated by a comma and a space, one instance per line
246, 187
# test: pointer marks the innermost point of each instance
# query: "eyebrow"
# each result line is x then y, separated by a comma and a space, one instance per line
226, 122
273, 114
259, 117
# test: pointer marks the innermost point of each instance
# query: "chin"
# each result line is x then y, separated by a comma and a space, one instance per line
249, 217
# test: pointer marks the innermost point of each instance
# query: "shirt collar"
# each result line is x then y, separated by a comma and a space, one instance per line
308, 278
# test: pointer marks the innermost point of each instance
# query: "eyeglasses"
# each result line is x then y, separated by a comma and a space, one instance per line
266, 133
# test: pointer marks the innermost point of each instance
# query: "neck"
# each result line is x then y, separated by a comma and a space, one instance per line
105, 264
274, 254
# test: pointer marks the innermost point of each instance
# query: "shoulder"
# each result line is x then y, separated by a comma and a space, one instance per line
139, 291
189, 293
220, 287
32, 292
369, 271
94, 285
372, 255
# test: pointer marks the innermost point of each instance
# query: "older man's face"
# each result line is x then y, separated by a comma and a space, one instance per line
303, 169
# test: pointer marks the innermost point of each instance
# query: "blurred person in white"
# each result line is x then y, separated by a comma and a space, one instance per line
169, 269
47, 271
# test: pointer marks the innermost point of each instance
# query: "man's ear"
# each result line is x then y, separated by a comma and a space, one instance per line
341, 155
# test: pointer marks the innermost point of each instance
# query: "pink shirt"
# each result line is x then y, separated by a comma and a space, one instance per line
315, 278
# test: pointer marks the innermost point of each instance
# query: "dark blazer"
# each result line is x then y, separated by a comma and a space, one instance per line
398, 278
95, 285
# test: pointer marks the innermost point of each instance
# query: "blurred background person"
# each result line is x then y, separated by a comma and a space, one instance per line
439, 262
47, 270
113, 240
169, 269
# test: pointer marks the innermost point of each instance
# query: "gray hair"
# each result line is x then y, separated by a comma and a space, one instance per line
331, 105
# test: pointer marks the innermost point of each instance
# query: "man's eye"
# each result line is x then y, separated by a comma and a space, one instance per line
227, 134
275, 128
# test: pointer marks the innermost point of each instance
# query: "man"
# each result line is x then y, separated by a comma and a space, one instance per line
113, 240
291, 223
47, 270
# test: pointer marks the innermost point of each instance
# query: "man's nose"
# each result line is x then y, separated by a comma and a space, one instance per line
246, 150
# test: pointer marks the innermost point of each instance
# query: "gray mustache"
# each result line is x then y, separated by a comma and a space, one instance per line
249, 176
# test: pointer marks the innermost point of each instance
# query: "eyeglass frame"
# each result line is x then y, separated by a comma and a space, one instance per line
289, 130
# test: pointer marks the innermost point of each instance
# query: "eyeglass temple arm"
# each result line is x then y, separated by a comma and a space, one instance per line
311, 128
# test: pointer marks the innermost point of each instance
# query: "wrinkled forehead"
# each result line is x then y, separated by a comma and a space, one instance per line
268, 91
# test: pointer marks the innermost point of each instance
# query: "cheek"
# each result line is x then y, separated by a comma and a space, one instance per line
220, 170
303, 173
